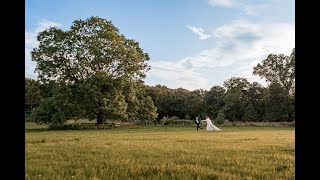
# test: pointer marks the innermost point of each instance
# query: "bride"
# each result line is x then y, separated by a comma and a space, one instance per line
210, 126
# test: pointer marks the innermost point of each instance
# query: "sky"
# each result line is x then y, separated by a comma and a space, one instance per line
192, 44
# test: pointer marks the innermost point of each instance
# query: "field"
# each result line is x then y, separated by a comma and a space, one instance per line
158, 152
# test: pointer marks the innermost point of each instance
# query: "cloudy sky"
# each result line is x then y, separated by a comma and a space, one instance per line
192, 44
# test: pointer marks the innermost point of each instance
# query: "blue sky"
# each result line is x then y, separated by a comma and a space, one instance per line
193, 44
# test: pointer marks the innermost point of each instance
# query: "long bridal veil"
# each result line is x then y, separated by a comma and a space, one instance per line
210, 126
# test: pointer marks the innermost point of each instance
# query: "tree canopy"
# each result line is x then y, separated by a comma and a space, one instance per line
278, 68
90, 46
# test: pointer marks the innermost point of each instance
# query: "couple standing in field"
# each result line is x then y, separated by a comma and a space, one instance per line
210, 126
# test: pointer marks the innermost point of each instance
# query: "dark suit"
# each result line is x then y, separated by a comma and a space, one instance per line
198, 123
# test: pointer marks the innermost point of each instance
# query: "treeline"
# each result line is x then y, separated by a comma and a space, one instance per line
237, 99
251, 102
92, 71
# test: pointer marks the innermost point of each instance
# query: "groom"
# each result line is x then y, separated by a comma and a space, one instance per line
198, 122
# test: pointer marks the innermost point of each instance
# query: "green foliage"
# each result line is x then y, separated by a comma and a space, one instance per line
48, 89
213, 100
292, 109
176, 102
235, 103
101, 97
167, 121
278, 69
27, 114
147, 110
243, 100
92, 71
236, 82
140, 106
277, 107
194, 101
255, 95
220, 118
32, 94
250, 113
58, 108
100, 70
159, 94
90, 46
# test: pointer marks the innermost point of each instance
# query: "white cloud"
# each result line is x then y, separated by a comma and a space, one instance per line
245, 70
236, 28
175, 75
241, 45
31, 42
223, 3
199, 31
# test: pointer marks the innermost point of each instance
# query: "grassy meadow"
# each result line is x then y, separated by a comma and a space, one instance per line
160, 152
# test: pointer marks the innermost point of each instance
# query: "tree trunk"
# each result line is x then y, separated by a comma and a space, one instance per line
100, 118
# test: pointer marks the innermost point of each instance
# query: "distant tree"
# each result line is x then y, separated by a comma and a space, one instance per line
239, 82
235, 104
140, 106
276, 101
292, 102
236, 98
250, 113
58, 108
32, 94
160, 96
278, 68
220, 117
147, 110
255, 95
194, 103
213, 100
177, 103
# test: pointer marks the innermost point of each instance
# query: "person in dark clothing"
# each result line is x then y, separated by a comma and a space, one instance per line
198, 122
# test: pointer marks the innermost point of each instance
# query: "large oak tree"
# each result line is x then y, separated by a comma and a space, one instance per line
90, 46
98, 64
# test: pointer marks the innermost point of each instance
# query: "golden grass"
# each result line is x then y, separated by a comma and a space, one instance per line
161, 153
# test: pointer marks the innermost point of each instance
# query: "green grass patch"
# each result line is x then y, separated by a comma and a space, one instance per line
32, 126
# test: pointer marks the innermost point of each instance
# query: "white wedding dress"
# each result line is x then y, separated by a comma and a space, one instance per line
210, 126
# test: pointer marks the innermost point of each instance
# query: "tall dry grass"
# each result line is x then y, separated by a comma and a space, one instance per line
161, 153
